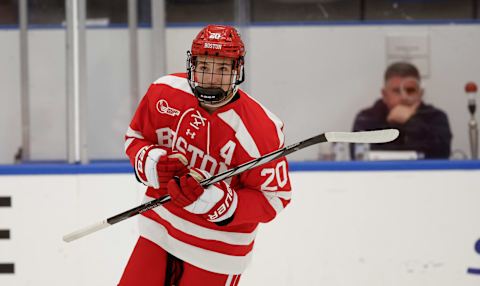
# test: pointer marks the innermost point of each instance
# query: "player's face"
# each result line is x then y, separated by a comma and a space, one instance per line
401, 90
214, 72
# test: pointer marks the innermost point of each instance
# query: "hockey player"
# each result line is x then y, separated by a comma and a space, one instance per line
193, 125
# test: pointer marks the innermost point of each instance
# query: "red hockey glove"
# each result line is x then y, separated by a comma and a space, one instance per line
216, 203
170, 166
155, 166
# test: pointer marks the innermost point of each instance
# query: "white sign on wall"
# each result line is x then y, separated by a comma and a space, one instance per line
410, 48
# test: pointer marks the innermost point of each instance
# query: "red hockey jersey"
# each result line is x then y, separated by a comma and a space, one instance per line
169, 115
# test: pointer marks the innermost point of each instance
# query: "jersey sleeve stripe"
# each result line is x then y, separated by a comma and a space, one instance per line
278, 126
275, 202
175, 82
229, 280
128, 142
236, 280
282, 194
277, 199
241, 133
134, 133
131, 135
276, 121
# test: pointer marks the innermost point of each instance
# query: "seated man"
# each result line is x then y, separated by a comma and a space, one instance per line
423, 128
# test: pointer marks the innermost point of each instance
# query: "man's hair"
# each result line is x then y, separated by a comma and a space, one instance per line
401, 69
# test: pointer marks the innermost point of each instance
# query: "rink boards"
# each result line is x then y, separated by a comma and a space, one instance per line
345, 226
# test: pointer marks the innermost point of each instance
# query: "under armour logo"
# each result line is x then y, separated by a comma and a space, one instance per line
198, 120
191, 134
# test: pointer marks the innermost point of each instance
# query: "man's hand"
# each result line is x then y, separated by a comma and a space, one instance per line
401, 113
155, 166
216, 203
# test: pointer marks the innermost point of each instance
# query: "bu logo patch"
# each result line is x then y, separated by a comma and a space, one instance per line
162, 107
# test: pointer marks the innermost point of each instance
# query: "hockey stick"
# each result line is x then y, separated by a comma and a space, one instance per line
378, 136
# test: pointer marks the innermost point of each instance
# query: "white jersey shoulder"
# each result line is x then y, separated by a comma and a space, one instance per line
175, 82
275, 119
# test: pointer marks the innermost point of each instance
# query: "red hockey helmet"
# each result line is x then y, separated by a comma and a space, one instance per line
217, 41
220, 41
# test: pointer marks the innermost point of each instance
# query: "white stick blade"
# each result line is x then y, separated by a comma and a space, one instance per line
85, 231
376, 136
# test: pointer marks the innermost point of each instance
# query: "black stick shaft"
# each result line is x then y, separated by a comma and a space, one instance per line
378, 136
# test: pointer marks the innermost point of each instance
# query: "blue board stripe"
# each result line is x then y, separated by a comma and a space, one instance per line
123, 167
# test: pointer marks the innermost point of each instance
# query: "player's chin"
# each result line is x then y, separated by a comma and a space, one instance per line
218, 103
213, 104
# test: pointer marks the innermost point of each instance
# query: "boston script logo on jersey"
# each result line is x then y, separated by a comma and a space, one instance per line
197, 156
162, 107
